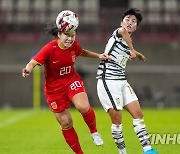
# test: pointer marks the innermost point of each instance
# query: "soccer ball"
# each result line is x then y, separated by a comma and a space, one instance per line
67, 21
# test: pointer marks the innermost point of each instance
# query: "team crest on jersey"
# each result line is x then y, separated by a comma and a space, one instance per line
118, 101
54, 105
73, 56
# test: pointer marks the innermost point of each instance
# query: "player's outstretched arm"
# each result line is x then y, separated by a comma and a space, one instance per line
91, 54
27, 70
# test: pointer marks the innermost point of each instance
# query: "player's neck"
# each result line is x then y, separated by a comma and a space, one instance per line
60, 45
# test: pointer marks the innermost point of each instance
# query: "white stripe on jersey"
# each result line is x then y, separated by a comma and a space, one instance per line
118, 50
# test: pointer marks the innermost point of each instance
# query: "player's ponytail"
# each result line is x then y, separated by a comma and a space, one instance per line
52, 29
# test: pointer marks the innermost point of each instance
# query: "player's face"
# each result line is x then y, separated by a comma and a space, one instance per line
129, 23
66, 39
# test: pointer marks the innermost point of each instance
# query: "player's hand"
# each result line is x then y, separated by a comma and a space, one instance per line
104, 56
141, 56
25, 72
133, 55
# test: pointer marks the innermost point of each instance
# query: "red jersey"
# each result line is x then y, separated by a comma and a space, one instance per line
59, 65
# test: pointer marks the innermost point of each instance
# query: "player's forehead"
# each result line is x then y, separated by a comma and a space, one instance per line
131, 17
72, 34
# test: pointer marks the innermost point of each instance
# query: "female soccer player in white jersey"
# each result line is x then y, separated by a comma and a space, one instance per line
114, 91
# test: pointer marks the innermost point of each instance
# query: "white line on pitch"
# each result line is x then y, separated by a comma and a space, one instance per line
17, 118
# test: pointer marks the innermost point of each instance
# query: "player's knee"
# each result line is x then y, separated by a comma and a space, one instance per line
83, 109
65, 121
67, 124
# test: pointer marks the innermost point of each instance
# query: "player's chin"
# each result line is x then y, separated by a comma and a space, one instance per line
130, 31
67, 45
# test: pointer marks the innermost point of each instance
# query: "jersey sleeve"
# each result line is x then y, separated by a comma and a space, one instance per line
79, 50
42, 55
116, 34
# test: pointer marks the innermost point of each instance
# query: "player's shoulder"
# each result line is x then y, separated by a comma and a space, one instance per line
52, 44
76, 43
117, 32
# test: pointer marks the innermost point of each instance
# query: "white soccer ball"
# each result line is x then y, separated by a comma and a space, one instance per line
67, 21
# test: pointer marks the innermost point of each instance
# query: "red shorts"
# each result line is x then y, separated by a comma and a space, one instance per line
61, 101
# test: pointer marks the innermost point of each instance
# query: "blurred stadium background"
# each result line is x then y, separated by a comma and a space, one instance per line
22, 34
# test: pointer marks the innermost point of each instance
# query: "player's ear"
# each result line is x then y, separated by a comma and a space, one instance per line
136, 26
59, 34
121, 23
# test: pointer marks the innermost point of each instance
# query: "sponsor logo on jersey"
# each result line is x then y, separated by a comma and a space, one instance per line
54, 62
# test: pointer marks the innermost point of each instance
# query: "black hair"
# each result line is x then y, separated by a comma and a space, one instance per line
135, 12
52, 29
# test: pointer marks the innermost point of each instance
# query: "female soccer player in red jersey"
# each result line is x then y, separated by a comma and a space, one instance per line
62, 83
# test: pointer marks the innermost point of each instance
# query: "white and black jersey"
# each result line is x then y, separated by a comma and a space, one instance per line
118, 50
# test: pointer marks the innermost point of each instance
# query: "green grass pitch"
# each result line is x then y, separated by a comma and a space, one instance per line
24, 131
